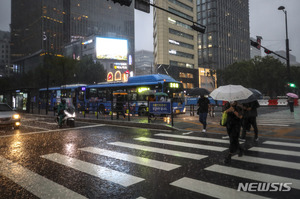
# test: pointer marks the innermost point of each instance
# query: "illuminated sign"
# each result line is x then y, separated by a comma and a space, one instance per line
118, 76
174, 85
120, 66
141, 89
110, 48
110, 77
87, 42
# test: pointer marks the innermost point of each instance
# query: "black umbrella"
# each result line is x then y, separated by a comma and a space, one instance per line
255, 96
197, 91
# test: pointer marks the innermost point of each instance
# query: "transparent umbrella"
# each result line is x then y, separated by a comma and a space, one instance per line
230, 93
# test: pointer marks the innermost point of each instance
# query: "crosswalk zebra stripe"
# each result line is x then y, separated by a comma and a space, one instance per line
192, 138
130, 158
264, 161
183, 144
34, 183
268, 124
212, 190
257, 176
95, 170
275, 151
282, 143
161, 151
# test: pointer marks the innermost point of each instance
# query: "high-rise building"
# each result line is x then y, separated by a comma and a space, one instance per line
144, 62
175, 42
4, 53
46, 26
226, 39
192, 57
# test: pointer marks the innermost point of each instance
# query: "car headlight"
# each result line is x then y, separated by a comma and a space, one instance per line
16, 116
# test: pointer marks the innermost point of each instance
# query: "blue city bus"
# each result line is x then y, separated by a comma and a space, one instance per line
74, 95
135, 94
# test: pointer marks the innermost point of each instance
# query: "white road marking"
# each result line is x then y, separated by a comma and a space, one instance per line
188, 133
193, 138
34, 127
275, 151
34, 183
161, 151
212, 190
183, 144
130, 158
264, 161
257, 176
54, 130
94, 170
282, 143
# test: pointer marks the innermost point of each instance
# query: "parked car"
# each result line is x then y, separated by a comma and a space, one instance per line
8, 117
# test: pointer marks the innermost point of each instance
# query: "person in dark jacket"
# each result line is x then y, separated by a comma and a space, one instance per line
291, 104
60, 111
233, 126
203, 104
250, 114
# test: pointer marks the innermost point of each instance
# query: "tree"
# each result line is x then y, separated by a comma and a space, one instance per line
265, 74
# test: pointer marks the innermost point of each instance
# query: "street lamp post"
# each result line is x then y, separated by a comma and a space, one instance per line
286, 43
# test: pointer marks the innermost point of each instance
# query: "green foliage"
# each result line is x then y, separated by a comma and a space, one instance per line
265, 74
57, 71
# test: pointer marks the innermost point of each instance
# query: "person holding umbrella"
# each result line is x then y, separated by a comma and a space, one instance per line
203, 104
233, 126
290, 100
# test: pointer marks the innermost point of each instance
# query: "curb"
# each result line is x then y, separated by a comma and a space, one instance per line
118, 123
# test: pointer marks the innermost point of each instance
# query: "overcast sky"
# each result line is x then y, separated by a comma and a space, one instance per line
265, 20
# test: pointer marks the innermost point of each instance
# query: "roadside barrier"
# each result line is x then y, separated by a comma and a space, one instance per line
277, 102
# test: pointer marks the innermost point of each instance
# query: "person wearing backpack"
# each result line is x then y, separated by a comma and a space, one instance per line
251, 114
233, 126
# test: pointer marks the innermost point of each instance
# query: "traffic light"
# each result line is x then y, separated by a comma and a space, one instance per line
267, 51
142, 5
292, 85
255, 44
123, 2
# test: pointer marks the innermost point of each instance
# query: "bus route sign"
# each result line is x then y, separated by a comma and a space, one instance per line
158, 108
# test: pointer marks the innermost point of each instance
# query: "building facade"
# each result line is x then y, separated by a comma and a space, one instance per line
175, 42
4, 54
46, 26
226, 39
193, 57
144, 62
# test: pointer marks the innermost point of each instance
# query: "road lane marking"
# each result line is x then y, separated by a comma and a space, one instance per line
130, 158
188, 133
34, 127
54, 130
257, 176
159, 150
282, 143
193, 138
34, 183
270, 162
212, 190
275, 151
94, 170
182, 144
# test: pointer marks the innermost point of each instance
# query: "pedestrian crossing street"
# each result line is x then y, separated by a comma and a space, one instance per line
267, 154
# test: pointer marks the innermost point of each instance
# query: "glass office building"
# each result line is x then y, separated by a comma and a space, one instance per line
46, 26
226, 39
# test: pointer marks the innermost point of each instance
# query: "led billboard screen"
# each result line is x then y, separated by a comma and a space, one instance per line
111, 48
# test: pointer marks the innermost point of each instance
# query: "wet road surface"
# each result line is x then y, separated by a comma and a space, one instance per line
96, 160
